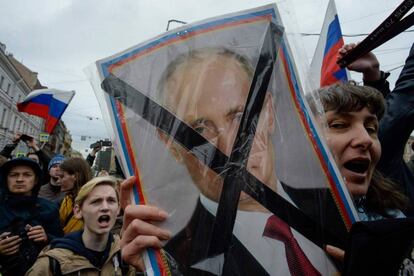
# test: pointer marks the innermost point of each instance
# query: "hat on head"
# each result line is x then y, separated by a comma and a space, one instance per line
56, 160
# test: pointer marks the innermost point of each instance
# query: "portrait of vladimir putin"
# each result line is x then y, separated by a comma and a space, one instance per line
207, 89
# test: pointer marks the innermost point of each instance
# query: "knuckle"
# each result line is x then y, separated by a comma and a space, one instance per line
136, 224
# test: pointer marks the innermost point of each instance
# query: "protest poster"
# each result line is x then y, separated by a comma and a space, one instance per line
212, 119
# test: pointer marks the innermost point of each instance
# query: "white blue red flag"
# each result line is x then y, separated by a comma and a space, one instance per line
323, 66
48, 104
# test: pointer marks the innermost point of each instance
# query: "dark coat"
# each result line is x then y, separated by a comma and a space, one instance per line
16, 211
395, 129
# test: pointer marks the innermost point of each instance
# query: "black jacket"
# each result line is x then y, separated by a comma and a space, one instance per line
395, 129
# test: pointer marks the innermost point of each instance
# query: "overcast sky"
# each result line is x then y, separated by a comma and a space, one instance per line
59, 38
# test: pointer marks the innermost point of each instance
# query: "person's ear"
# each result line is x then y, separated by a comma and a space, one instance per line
171, 146
77, 211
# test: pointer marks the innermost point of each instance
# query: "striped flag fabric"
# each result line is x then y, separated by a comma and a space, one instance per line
323, 67
49, 104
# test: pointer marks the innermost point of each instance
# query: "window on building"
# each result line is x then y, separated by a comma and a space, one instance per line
8, 88
1, 82
3, 117
20, 124
14, 123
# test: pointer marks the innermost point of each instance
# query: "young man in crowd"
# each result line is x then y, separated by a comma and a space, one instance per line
93, 250
51, 190
27, 222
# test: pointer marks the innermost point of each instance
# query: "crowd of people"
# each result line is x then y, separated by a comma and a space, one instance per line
56, 219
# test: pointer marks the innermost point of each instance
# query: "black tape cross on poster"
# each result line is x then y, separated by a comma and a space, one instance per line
236, 177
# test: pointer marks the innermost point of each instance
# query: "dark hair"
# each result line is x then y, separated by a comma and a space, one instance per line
345, 97
382, 194
80, 168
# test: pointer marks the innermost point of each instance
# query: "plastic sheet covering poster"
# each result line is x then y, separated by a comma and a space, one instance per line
212, 120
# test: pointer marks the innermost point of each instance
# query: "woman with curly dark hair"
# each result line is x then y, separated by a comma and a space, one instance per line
352, 115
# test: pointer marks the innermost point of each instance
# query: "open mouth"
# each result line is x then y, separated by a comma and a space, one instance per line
104, 219
358, 166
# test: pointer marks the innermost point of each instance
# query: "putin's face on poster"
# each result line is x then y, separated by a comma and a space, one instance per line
208, 89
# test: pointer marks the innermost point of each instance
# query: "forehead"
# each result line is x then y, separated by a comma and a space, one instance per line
20, 169
102, 190
198, 81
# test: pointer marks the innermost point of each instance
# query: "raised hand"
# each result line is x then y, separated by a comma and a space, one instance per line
139, 233
368, 64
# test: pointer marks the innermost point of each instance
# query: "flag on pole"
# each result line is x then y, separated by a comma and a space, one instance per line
48, 104
323, 66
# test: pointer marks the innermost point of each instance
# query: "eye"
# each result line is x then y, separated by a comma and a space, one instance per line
372, 128
95, 201
112, 200
205, 128
338, 124
199, 126
199, 129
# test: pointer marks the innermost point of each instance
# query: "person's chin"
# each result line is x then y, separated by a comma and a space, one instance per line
357, 189
101, 230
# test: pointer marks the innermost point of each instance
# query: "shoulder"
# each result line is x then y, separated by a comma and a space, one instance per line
44, 188
46, 205
42, 264
116, 245
40, 267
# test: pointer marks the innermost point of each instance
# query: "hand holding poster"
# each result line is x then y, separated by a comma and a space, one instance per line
212, 121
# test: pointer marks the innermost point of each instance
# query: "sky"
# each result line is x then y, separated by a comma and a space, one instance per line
60, 38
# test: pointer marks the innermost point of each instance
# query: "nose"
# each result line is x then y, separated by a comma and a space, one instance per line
20, 177
362, 139
104, 205
225, 140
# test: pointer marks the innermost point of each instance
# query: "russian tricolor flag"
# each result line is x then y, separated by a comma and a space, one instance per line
323, 66
48, 104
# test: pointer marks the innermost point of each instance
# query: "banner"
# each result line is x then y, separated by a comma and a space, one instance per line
211, 118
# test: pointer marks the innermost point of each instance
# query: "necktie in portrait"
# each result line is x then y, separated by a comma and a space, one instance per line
299, 264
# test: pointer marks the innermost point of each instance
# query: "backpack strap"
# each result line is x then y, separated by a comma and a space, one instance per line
124, 267
54, 266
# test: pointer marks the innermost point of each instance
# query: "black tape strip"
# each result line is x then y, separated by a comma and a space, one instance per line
388, 29
235, 173
212, 157
403, 25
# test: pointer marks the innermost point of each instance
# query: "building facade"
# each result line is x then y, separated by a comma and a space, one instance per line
16, 82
